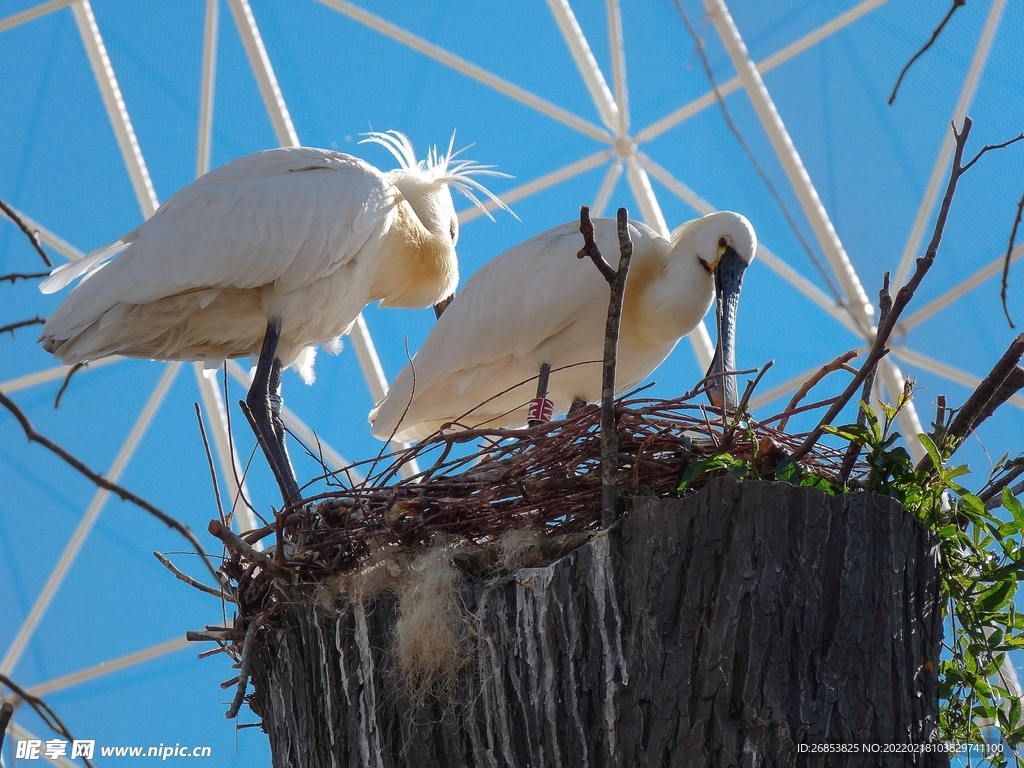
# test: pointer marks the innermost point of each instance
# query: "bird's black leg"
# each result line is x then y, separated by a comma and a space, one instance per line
276, 404
265, 384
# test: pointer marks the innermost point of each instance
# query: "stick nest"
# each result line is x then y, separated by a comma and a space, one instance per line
544, 479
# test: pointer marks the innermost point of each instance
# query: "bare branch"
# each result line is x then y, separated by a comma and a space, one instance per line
31, 234
15, 276
1002, 382
238, 546
102, 482
906, 293
617, 282
839, 364
12, 327
67, 380
590, 246
221, 593
990, 147
1006, 264
41, 708
938, 30
243, 671
209, 459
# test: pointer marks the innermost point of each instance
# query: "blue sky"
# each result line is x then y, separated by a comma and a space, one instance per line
60, 164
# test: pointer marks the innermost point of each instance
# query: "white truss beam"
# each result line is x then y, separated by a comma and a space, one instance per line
31, 14
207, 87
259, 62
939, 171
729, 86
85, 525
116, 109
586, 64
541, 183
108, 667
470, 70
960, 289
618, 53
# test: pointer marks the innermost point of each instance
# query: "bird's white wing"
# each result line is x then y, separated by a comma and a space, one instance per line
287, 216
507, 310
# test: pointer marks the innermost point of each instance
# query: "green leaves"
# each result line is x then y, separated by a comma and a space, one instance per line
738, 468
982, 565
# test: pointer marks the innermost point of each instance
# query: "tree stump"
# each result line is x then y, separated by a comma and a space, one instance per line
740, 626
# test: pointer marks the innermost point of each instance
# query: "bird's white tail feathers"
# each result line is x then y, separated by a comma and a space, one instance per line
65, 273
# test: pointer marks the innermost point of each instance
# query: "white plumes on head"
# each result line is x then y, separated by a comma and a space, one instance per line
442, 168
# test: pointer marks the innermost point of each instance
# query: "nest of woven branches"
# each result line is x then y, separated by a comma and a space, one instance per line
544, 479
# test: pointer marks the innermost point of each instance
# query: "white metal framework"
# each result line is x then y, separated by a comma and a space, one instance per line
623, 154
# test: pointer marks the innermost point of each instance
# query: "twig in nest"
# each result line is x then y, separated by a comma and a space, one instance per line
29, 233
243, 671
41, 708
67, 380
221, 593
12, 327
935, 35
1006, 264
729, 431
617, 282
239, 547
839, 364
102, 482
906, 293
13, 276
853, 450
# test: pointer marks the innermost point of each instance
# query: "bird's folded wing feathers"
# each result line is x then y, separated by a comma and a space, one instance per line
516, 301
290, 215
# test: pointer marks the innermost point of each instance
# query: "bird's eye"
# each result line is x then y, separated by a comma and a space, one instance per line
722, 242
451, 231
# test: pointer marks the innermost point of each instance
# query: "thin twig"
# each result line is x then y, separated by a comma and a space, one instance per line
67, 380
12, 327
44, 710
839, 364
239, 481
1006, 264
221, 593
238, 546
13, 276
243, 671
209, 460
31, 234
938, 30
102, 482
590, 246
906, 293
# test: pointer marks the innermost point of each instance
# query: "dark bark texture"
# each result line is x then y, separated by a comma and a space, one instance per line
741, 626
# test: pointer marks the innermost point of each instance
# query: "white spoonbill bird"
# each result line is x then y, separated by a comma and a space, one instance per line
538, 304
270, 255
